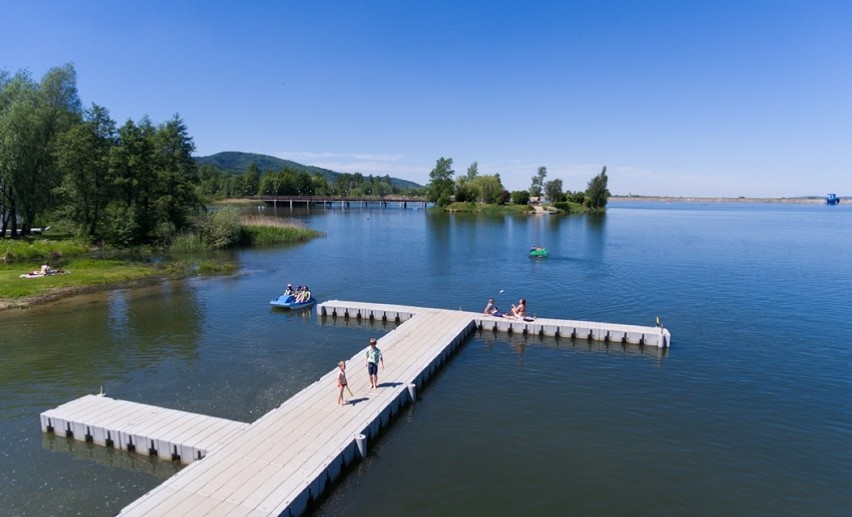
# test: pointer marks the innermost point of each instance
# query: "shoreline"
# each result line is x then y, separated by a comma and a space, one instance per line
688, 199
59, 293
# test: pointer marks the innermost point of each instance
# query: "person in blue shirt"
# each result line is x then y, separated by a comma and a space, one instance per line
374, 357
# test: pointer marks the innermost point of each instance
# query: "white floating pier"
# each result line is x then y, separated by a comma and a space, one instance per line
167, 433
285, 460
595, 331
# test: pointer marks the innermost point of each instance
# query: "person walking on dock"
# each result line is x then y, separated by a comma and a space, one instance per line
374, 357
341, 382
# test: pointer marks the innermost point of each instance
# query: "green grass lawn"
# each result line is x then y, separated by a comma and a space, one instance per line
80, 272
119, 267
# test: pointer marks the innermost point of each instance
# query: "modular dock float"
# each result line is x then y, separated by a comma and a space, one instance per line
167, 433
595, 331
281, 463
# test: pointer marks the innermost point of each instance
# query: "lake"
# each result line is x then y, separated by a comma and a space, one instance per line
749, 412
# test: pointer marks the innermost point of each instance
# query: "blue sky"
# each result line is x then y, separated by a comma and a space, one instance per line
681, 98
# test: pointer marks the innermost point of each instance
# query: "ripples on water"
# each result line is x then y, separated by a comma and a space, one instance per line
748, 413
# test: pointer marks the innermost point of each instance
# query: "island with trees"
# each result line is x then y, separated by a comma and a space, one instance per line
475, 192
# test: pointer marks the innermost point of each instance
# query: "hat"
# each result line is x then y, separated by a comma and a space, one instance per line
373, 341
289, 285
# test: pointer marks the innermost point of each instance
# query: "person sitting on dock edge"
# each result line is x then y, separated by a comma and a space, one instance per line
492, 310
520, 310
489, 308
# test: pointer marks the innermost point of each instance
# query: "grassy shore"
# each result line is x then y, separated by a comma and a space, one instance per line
86, 275
83, 276
88, 270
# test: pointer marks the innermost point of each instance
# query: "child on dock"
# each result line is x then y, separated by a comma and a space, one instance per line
341, 381
374, 357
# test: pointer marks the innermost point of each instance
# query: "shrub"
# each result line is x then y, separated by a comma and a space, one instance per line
520, 197
188, 242
19, 250
222, 228
571, 207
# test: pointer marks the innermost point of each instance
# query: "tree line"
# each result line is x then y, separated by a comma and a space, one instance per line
216, 183
121, 185
133, 184
444, 189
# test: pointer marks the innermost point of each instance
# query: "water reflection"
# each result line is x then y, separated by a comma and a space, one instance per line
110, 457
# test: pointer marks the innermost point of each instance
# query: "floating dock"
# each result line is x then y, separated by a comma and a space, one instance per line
594, 331
281, 463
167, 433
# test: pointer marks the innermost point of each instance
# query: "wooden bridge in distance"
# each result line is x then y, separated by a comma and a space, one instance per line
340, 201
284, 461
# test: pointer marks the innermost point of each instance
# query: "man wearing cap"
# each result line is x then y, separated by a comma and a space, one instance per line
374, 357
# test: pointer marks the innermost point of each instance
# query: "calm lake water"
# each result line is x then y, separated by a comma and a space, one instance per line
749, 412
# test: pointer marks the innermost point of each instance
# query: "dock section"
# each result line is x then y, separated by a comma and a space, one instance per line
167, 433
289, 457
281, 463
591, 330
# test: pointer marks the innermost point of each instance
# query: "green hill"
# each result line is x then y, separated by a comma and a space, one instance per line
237, 163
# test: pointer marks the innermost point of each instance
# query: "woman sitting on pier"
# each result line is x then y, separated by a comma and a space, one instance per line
520, 310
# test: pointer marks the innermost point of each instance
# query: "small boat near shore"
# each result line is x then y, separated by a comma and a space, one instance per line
538, 252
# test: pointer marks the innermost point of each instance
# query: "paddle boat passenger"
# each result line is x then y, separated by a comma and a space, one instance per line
289, 290
303, 294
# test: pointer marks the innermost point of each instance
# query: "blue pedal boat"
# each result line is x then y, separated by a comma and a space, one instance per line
288, 301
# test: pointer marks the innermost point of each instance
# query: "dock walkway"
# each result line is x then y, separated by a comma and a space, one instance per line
290, 455
286, 459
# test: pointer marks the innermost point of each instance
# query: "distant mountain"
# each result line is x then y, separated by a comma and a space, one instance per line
237, 163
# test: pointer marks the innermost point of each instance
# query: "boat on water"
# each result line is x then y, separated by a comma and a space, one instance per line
832, 199
288, 301
538, 251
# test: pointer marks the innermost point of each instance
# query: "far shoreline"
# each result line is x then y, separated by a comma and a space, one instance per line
689, 199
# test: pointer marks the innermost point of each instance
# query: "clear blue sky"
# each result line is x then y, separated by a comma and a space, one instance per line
691, 98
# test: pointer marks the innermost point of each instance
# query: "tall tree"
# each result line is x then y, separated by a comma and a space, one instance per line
9, 89
176, 176
249, 184
473, 170
32, 118
57, 108
83, 157
597, 193
488, 187
553, 190
538, 182
129, 218
440, 187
